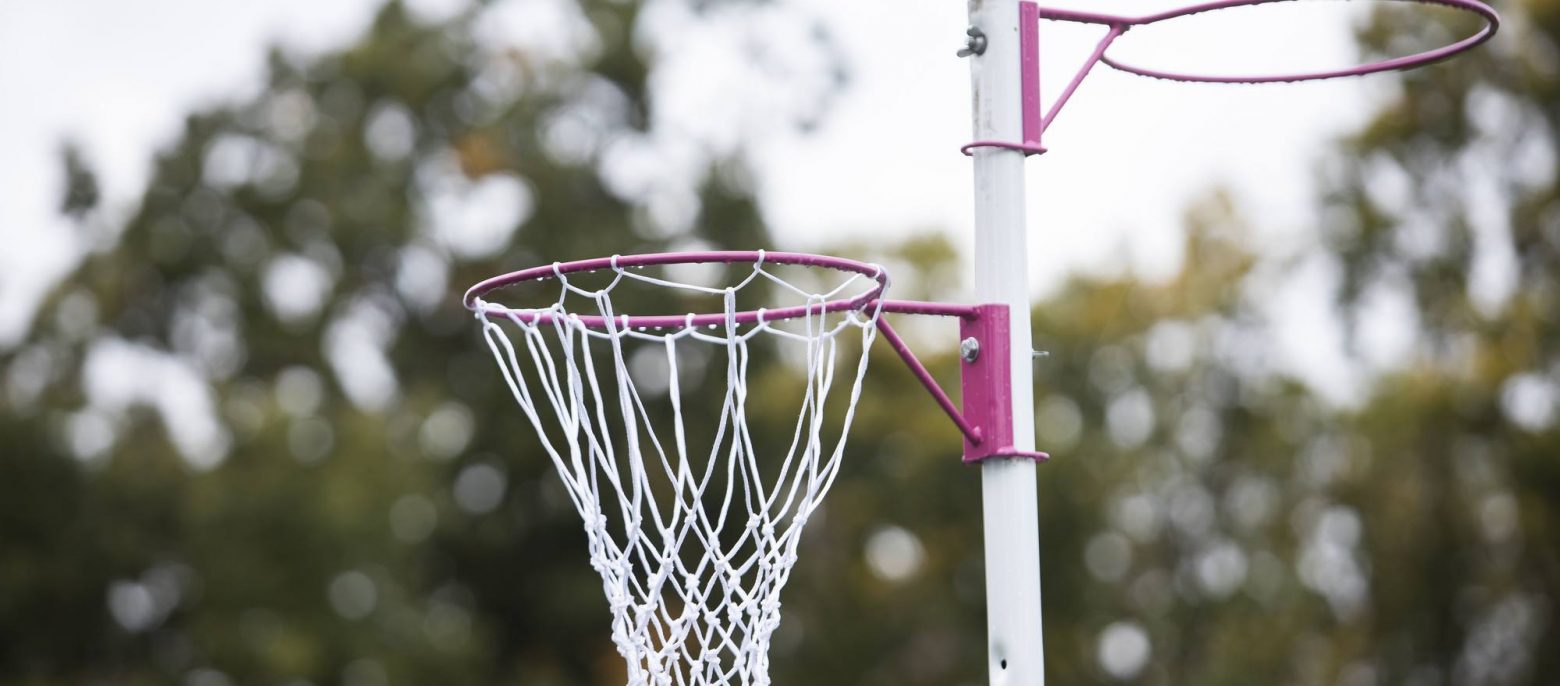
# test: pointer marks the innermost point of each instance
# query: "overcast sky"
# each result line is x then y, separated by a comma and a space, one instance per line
1126, 157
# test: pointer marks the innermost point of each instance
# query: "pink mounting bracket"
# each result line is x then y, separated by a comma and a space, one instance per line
1029, 71
985, 373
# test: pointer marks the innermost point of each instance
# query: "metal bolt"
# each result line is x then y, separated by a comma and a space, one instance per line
1040, 353
969, 349
975, 44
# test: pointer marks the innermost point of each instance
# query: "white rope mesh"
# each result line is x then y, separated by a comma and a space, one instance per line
694, 529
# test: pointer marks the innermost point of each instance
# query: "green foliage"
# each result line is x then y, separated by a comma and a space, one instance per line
314, 535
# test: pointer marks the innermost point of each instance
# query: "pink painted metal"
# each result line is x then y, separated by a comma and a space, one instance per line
972, 434
987, 418
1483, 11
928, 308
1088, 65
866, 300
1029, 70
985, 421
1030, 13
987, 384
857, 302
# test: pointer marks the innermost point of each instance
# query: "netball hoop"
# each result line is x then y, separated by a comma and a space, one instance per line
693, 503
1037, 119
694, 530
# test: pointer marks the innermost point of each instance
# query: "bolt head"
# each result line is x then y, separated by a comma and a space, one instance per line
969, 349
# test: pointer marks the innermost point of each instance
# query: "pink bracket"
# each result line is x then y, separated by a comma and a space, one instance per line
987, 381
1029, 70
986, 376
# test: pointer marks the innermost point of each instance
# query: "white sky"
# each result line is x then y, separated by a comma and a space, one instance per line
1127, 155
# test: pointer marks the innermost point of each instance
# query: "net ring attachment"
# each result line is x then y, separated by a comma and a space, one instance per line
876, 276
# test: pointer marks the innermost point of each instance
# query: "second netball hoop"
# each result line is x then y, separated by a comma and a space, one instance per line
1037, 118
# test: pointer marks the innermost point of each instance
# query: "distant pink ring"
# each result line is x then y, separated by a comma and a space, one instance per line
1491, 19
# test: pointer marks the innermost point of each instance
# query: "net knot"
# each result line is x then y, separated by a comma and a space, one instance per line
620, 603
615, 567
643, 613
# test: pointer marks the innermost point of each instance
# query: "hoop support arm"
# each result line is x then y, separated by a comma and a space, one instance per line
1099, 52
972, 434
986, 420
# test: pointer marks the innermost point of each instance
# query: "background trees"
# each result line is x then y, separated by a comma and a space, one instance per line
253, 439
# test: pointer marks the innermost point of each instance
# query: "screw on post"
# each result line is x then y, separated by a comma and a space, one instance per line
969, 349
975, 44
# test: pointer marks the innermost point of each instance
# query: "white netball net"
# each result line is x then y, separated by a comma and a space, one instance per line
694, 529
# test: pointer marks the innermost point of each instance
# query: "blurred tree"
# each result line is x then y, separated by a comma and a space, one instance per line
334, 495
1210, 520
1446, 206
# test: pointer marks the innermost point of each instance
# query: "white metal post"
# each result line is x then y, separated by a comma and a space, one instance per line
1012, 538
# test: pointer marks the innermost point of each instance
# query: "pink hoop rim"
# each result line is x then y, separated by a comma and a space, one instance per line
868, 298
1491, 18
